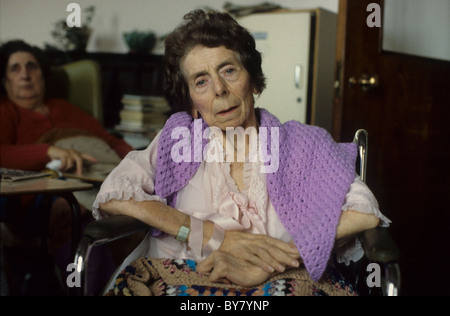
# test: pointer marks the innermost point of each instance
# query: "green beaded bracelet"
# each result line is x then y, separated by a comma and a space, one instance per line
183, 233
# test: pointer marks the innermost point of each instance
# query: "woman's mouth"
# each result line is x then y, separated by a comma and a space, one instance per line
229, 111
26, 86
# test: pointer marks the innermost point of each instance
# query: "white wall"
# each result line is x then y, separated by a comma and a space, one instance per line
417, 27
33, 20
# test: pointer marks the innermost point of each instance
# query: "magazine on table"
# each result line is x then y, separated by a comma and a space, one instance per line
12, 175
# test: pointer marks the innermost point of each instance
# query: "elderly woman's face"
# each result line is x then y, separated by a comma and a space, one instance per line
220, 87
24, 80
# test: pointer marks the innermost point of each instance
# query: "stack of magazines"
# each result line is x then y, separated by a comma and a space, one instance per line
143, 113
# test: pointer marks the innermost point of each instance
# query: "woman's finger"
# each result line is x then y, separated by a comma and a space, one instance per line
206, 265
89, 157
63, 164
219, 273
267, 253
289, 248
273, 262
284, 253
233, 270
224, 268
78, 163
257, 257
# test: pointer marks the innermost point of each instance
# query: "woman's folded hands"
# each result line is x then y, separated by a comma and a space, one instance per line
247, 259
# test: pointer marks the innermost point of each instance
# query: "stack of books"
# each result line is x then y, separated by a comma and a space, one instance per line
143, 113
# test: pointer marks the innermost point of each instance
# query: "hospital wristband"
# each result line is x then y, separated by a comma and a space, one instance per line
216, 240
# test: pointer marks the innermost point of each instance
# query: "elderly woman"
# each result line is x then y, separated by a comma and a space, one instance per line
26, 115
240, 223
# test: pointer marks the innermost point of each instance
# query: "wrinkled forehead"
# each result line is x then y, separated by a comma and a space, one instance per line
21, 58
201, 59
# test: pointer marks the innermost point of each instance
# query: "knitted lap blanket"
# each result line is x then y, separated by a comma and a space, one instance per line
307, 191
169, 277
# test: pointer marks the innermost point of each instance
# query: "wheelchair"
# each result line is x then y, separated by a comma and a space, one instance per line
380, 250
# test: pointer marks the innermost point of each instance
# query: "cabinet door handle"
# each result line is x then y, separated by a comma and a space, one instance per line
298, 76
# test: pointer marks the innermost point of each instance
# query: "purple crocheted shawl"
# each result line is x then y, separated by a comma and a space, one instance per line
307, 191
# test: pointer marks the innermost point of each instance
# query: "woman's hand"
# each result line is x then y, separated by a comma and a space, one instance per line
69, 158
248, 259
226, 268
268, 253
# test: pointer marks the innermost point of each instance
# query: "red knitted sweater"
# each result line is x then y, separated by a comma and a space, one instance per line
20, 129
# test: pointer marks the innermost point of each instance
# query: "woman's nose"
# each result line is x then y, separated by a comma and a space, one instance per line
220, 87
25, 73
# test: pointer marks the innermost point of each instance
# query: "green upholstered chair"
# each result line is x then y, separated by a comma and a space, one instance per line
79, 83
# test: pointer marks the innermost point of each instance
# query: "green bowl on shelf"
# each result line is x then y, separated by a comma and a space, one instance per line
140, 42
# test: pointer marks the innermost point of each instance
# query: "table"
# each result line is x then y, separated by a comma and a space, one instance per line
96, 173
41, 185
48, 185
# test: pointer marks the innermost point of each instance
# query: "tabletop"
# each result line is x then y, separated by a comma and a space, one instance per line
41, 185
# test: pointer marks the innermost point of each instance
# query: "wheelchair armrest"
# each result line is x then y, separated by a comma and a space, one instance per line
100, 232
112, 228
379, 246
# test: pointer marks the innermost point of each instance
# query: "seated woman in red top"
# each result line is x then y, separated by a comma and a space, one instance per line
26, 115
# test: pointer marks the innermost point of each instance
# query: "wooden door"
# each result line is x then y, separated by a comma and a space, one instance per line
408, 120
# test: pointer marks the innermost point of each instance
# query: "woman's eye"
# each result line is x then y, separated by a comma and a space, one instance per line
32, 66
200, 83
230, 71
14, 68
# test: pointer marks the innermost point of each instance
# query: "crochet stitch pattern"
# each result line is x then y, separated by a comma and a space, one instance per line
168, 277
307, 191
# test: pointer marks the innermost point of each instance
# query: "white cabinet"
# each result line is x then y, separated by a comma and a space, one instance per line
298, 50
